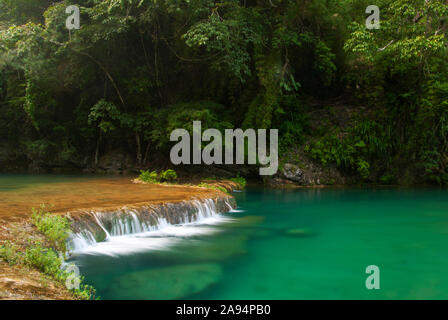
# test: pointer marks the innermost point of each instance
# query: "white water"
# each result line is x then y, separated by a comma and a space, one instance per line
130, 235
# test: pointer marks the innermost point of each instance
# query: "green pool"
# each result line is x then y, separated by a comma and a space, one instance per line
300, 244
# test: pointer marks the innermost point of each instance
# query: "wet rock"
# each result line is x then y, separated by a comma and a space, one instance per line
294, 173
174, 282
94, 226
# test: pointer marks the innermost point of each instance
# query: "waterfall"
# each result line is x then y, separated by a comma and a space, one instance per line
100, 224
90, 228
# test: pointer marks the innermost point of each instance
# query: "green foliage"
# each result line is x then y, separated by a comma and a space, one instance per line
212, 187
44, 259
149, 177
363, 168
168, 175
356, 148
240, 181
211, 115
387, 179
345, 153
35, 255
85, 291
9, 253
47, 260
292, 121
55, 228
153, 177
105, 114
403, 65
136, 70
229, 37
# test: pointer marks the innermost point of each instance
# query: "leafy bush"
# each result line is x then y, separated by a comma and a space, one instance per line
152, 177
363, 168
35, 255
168, 175
209, 186
292, 121
346, 153
85, 291
9, 253
149, 177
44, 259
49, 262
240, 181
55, 228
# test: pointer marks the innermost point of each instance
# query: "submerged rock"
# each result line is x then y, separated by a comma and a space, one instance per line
300, 233
245, 222
221, 248
250, 226
174, 282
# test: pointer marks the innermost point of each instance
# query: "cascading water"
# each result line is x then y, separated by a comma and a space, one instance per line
144, 227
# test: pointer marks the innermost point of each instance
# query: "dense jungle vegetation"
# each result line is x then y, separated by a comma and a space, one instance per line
137, 69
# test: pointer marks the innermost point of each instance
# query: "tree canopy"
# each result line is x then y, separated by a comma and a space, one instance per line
136, 69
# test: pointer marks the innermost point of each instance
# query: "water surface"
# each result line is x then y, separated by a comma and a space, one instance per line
300, 244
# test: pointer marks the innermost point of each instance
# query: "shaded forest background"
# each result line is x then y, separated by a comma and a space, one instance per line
372, 104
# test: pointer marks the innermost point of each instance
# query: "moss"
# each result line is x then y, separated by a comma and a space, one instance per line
213, 187
240, 181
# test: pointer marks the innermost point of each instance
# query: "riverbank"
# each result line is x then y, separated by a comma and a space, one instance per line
74, 200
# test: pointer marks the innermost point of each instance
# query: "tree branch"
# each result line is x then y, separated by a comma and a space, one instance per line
99, 65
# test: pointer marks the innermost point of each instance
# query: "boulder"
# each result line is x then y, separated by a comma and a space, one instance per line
294, 173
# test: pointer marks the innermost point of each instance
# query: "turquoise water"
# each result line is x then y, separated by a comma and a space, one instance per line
15, 182
18, 182
300, 244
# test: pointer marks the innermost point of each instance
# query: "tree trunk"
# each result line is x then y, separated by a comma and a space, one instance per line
145, 159
97, 150
139, 149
